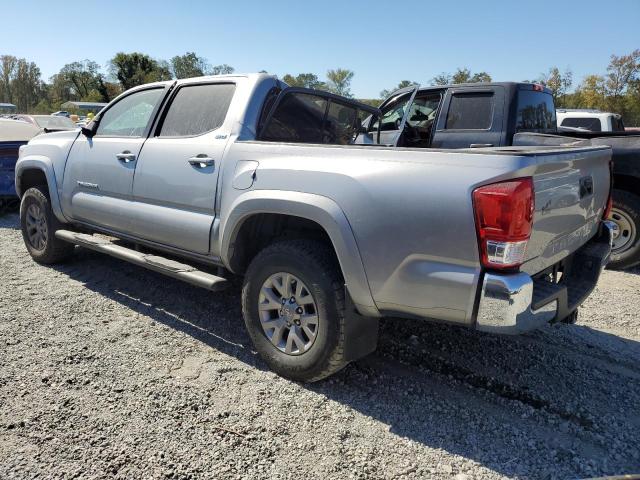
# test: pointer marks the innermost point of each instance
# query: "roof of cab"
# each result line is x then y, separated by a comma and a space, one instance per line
424, 88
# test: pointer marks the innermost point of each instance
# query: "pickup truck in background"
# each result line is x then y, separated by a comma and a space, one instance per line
510, 114
590, 120
203, 178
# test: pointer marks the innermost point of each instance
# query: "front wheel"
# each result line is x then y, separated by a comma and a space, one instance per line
625, 216
39, 225
293, 306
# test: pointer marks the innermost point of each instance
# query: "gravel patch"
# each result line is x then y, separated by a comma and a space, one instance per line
111, 371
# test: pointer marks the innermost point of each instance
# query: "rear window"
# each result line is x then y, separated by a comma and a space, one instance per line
588, 123
470, 111
616, 124
307, 118
536, 112
197, 109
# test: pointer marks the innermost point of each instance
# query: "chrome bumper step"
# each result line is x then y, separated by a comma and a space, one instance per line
172, 268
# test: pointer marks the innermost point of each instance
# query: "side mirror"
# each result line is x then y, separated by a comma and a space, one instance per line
90, 130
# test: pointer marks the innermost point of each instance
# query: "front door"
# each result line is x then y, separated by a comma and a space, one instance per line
98, 176
175, 182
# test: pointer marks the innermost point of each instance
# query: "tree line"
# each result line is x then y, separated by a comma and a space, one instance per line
617, 89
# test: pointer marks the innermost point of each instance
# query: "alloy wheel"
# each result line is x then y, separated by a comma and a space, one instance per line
288, 313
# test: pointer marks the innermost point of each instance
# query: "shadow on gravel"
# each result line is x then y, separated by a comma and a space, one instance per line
530, 405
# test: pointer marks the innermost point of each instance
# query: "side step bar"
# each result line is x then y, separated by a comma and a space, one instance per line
169, 267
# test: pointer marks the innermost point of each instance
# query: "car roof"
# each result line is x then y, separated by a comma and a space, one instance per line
427, 88
585, 113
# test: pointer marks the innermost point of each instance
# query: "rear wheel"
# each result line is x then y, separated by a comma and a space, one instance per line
625, 216
293, 307
39, 226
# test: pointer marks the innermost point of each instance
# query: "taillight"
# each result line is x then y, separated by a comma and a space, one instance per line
504, 215
607, 209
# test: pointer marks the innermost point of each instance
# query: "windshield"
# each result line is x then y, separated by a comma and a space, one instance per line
54, 123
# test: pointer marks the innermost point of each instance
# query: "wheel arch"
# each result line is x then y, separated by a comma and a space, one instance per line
312, 212
30, 172
628, 183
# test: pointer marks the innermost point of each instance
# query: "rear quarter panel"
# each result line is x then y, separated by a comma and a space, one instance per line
410, 211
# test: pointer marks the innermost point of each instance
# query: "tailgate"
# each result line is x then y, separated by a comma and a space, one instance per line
571, 192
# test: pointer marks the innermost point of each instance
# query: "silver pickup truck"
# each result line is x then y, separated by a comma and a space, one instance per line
204, 178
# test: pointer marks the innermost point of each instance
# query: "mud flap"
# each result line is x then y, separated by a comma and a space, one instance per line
361, 333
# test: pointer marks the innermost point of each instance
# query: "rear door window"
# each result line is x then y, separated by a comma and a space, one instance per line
298, 118
197, 109
340, 124
536, 112
470, 111
392, 114
588, 123
301, 117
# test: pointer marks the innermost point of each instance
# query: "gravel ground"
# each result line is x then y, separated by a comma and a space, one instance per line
108, 370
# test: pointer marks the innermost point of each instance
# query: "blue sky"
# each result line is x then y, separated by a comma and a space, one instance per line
383, 42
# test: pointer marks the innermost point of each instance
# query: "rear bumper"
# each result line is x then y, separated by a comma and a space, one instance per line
516, 303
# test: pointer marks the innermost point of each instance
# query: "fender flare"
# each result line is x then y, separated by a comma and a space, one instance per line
319, 209
44, 164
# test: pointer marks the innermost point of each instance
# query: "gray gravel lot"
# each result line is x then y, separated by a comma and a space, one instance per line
108, 370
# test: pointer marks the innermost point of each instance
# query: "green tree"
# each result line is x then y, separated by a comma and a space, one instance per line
403, 84
306, 80
7, 70
461, 75
339, 81
591, 93
442, 79
621, 82
132, 69
189, 65
223, 69
20, 82
559, 83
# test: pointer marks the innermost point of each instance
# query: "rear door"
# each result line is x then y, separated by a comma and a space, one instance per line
99, 171
177, 173
470, 118
419, 117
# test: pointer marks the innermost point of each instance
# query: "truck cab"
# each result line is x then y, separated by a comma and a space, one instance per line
465, 116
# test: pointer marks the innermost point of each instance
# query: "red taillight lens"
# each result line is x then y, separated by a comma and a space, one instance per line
504, 215
607, 209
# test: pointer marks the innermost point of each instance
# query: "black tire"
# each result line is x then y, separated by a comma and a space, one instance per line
315, 265
53, 250
627, 206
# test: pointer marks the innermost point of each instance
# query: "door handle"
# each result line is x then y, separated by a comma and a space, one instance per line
480, 145
201, 161
126, 156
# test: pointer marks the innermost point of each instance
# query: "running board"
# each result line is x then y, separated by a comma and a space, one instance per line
163, 265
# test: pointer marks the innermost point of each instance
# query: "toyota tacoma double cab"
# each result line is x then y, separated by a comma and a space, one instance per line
209, 177
480, 115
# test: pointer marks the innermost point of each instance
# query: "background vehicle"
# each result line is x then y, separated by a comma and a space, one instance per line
245, 175
61, 113
509, 114
13, 135
48, 123
592, 120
